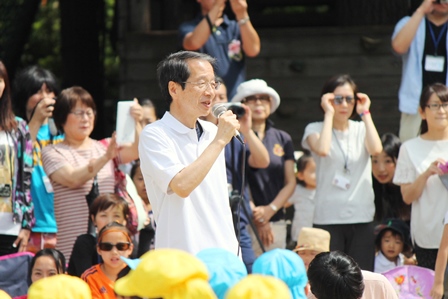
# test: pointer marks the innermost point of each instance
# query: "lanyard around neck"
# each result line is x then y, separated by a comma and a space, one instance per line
439, 38
346, 170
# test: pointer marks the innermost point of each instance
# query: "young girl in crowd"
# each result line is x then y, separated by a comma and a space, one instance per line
114, 241
391, 242
418, 173
105, 209
388, 200
16, 165
303, 197
341, 148
146, 234
47, 262
35, 89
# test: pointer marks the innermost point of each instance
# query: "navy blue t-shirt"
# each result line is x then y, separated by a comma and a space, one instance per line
226, 46
266, 183
234, 154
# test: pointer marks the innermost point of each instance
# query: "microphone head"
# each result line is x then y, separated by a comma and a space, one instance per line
218, 109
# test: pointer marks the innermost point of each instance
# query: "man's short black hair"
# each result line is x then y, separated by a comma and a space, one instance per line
175, 68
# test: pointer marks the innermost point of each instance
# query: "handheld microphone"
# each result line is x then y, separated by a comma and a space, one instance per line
217, 111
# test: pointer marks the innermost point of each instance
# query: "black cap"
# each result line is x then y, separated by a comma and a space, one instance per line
398, 226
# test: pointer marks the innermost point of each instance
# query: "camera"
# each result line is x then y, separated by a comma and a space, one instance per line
442, 1
236, 108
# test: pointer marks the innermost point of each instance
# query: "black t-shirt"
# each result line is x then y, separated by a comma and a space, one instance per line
430, 49
83, 256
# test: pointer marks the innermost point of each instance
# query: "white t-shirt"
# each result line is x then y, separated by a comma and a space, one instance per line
201, 220
303, 200
334, 205
382, 264
427, 212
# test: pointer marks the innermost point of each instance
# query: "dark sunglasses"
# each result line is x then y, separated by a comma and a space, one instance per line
121, 246
252, 99
339, 99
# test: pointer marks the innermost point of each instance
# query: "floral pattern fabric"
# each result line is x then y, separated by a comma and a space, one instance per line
23, 210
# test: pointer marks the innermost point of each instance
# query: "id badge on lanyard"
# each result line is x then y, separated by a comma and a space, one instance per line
435, 63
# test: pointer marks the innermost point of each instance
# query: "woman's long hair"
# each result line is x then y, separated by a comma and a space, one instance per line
7, 117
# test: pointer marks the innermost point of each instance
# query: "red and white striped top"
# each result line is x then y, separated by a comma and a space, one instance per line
71, 208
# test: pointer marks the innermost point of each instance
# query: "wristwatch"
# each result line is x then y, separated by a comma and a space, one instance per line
273, 207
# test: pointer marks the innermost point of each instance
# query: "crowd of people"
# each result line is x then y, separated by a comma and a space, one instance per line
195, 206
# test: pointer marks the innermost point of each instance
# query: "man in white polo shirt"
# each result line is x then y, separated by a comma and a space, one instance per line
182, 159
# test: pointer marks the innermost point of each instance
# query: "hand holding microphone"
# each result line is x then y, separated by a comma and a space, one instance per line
219, 111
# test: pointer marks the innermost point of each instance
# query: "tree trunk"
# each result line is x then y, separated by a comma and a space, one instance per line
15, 28
82, 26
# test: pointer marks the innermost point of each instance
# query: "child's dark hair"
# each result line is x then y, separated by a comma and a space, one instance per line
301, 164
134, 168
56, 255
105, 201
114, 226
391, 145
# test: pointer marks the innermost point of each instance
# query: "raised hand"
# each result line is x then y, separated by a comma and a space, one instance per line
43, 110
325, 102
113, 148
246, 120
363, 103
136, 111
239, 7
227, 125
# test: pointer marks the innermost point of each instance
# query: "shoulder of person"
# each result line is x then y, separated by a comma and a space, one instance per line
85, 240
91, 271
402, 21
314, 126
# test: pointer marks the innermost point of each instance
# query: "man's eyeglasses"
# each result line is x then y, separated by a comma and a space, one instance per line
121, 246
80, 113
253, 99
436, 106
339, 99
203, 85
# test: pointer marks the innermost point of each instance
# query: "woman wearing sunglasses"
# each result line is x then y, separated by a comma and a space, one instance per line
114, 241
341, 149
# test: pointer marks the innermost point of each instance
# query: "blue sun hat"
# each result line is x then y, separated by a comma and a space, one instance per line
285, 265
225, 269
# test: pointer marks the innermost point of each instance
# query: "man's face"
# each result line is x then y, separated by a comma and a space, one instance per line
196, 98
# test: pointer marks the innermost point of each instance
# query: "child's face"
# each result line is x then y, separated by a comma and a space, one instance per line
307, 256
391, 246
140, 184
111, 258
383, 168
308, 175
43, 267
113, 213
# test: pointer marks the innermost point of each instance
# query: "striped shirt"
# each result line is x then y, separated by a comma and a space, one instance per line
72, 212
